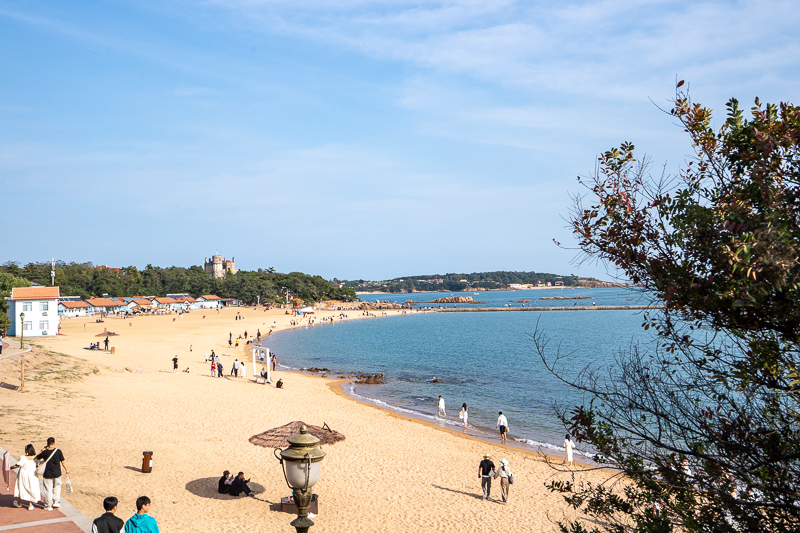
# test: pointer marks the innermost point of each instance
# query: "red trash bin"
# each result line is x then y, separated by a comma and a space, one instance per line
147, 462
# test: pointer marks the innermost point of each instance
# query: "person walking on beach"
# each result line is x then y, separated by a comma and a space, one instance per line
105, 344
213, 368
175, 365
502, 425
274, 361
440, 410
569, 445
235, 368
243, 369
27, 486
52, 474
464, 414
506, 478
108, 522
219, 370
141, 522
485, 472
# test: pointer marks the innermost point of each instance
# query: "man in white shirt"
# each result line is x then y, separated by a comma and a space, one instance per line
502, 425
440, 411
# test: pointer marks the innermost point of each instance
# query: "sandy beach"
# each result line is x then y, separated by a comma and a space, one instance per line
390, 474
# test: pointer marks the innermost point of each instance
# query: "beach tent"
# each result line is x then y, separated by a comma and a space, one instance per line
278, 437
309, 310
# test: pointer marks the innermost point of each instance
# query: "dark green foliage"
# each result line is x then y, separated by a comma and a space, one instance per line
704, 422
87, 280
453, 283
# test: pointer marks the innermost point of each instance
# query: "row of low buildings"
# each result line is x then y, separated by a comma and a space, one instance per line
37, 311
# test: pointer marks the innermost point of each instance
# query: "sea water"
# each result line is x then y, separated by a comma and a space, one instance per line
487, 360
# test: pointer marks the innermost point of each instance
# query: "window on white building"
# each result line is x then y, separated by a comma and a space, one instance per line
44, 325
27, 326
43, 306
27, 306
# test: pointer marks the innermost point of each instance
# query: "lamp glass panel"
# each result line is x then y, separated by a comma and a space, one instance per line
296, 474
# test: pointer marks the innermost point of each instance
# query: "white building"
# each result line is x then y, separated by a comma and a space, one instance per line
209, 301
73, 309
40, 306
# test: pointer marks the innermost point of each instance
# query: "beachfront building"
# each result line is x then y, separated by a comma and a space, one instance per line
40, 306
71, 309
209, 301
231, 302
105, 306
167, 304
218, 267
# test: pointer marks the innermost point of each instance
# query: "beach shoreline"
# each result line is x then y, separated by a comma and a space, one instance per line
105, 409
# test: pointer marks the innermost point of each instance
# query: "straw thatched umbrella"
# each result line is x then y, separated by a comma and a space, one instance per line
277, 437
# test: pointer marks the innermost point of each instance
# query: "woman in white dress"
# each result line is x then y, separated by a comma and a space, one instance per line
569, 445
464, 414
27, 487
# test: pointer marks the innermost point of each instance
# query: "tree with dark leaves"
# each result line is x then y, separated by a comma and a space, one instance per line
702, 424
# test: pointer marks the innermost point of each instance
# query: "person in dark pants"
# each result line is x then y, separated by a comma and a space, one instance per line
239, 486
219, 370
108, 522
485, 472
105, 344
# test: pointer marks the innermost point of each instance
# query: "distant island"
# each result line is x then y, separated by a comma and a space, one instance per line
478, 281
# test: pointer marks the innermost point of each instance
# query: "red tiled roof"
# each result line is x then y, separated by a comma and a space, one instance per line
210, 297
35, 293
74, 305
185, 299
103, 302
165, 300
142, 301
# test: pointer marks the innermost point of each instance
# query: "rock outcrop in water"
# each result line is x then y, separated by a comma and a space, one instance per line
366, 379
455, 300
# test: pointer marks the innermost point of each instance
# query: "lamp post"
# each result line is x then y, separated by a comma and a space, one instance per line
21, 329
301, 462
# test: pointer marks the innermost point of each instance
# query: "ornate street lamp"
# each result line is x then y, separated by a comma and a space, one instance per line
21, 329
301, 462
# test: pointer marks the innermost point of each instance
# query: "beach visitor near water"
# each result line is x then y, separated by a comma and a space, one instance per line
175, 365
235, 368
569, 445
27, 487
502, 425
504, 473
464, 414
141, 522
274, 362
108, 522
440, 411
52, 474
243, 368
485, 472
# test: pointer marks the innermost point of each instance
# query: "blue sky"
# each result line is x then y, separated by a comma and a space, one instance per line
350, 138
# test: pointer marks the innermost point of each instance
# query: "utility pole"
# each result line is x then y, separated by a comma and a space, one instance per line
53, 272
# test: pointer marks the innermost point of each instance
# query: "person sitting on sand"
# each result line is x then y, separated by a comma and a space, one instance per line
239, 486
186, 371
264, 374
224, 485
279, 384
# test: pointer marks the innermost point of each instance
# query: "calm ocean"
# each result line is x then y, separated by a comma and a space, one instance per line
483, 359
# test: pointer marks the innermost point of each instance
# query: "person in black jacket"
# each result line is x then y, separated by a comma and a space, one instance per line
239, 486
108, 522
224, 486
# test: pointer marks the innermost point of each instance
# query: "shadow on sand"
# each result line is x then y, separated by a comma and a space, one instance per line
207, 488
470, 494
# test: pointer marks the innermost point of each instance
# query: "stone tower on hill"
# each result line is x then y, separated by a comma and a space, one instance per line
217, 267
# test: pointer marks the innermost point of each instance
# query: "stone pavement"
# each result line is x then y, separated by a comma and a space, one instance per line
67, 519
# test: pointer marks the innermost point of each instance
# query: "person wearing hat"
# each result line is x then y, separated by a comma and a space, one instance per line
504, 473
485, 472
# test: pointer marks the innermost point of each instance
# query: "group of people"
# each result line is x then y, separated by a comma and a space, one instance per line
488, 471
463, 415
28, 488
234, 485
141, 522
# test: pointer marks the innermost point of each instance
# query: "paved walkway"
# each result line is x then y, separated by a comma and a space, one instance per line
67, 519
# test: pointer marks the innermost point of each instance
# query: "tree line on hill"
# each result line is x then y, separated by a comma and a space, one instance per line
460, 282
87, 280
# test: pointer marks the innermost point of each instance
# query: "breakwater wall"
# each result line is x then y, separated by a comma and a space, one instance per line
561, 308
